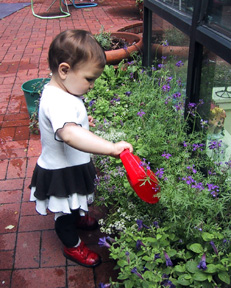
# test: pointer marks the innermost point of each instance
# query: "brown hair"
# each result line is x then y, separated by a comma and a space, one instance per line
75, 47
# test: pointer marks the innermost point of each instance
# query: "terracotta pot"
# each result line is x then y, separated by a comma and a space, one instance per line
181, 51
115, 56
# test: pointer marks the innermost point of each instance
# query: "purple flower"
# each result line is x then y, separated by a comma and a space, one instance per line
166, 88
214, 247
166, 155
165, 43
141, 113
156, 224
202, 265
214, 189
160, 172
101, 285
160, 66
128, 93
157, 256
127, 255
215, 144
203, 123
179, 63
103, 242
168, 283
139, 243
168, 260
192, 168
91, 103
176, 95
141, 225
134, 270
110, 239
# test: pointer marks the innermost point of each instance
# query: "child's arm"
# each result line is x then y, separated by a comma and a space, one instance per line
84, 140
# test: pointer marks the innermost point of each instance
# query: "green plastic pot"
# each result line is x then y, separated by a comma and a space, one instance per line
32, 90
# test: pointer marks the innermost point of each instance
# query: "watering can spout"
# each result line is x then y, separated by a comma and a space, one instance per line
136, 177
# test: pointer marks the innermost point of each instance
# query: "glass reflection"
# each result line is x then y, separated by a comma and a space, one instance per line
181, 5
219, 15
216, 92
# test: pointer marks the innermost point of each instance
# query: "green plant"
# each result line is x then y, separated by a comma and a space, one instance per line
191, 222
104, 39
109, 41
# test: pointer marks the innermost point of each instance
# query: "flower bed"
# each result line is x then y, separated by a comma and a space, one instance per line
184, 239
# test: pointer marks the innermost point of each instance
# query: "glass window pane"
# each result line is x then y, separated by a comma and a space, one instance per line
216, 91
219, 16
170, 47
181, 5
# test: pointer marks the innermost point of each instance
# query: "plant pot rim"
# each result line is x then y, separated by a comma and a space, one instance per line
115, 56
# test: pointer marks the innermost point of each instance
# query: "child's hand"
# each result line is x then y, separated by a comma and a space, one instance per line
91, 121
120, 147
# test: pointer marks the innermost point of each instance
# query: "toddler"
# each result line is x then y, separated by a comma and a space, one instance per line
63, 179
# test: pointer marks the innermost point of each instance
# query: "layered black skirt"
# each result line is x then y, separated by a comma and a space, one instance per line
63, 190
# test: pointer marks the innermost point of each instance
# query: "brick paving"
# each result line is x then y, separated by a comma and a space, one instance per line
30, 252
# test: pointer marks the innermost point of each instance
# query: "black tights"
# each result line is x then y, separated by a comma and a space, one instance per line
65, 227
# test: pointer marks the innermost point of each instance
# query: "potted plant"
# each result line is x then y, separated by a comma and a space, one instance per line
32, 90
119, 45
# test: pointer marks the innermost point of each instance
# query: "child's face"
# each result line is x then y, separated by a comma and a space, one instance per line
80, 81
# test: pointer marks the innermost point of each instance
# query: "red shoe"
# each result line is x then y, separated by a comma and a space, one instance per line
86, 223
82, 255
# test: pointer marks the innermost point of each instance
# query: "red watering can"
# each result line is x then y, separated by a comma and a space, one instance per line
136, 174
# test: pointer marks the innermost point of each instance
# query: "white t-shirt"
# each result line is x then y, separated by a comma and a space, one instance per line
57, 108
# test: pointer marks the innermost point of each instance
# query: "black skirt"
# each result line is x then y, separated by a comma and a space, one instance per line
63, 182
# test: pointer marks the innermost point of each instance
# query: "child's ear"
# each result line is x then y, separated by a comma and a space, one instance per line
63, 70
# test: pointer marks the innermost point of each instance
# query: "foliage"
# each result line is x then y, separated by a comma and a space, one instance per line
104, 39
109, 41
189, 228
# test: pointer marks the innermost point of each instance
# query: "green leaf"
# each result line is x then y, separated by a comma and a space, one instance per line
122, 263
200, 276
191, 266
207, 236
182, 280
224, 276
179, 268
128, 284
158, 236
196, 248
211, 268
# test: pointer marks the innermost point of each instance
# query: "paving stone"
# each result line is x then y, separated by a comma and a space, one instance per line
5, 278
7, 241
28, 209
9, 214
6, 259
42, 277
3, 169
51, 250
81, 277
36, 223
14, 196
28, 250
13, 184
16, 168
